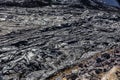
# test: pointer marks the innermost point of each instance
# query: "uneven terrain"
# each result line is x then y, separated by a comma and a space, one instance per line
37, 42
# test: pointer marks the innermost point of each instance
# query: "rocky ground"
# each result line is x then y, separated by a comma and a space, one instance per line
101, 66
37, 42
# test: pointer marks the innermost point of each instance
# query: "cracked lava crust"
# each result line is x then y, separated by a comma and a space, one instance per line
101, 66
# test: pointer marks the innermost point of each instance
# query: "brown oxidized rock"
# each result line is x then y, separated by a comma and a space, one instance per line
101, 66
113, 74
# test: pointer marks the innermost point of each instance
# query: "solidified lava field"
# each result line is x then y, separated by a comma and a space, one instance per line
42, 38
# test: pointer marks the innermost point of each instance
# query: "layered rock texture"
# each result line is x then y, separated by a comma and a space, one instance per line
40, 38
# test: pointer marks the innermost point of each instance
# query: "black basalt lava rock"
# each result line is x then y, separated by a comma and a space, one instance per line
37, 41
25, 3
39, 3
1, 78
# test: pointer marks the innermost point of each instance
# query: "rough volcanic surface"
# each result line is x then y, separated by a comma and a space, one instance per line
38, 42
25, 3
101, 66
